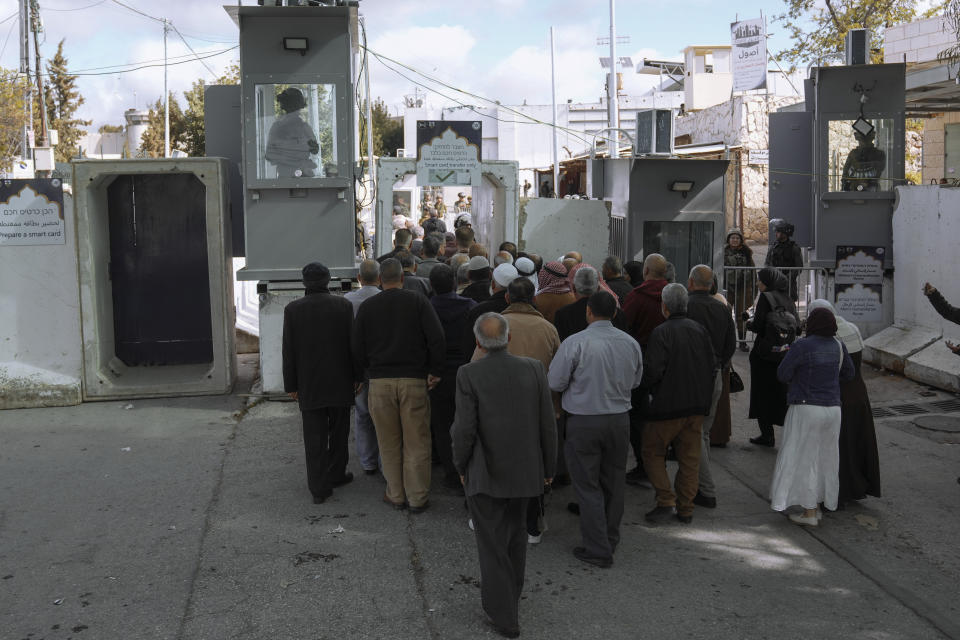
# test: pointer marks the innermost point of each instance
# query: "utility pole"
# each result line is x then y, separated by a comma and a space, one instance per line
24, 20
613, 109
166, 94
553, 94
371, 166
35, 24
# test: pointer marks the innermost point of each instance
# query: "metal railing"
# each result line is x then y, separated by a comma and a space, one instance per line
739, 286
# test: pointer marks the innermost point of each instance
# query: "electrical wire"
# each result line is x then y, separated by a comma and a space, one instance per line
99, 2
148, 66
176, 57
182, 39
363, 124
137, 11
10, 17
6, 41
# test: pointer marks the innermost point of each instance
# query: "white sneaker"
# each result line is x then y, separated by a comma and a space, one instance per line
799, 518
470, 523
534, 539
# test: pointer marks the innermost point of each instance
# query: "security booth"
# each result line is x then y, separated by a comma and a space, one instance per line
676, 209
858, 156
296, 90
297, 65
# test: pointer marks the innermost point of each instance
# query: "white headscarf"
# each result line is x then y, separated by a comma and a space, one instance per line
846, 331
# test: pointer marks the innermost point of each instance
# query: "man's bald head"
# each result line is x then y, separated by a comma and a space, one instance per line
701, 278
654, 267
570, 263
575, 255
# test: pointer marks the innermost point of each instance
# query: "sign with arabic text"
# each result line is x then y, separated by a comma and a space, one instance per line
860, 265
31, 212
448, 152
749, 55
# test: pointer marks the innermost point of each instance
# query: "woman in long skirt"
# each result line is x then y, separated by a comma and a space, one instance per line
859, 460
807, 470
768, 396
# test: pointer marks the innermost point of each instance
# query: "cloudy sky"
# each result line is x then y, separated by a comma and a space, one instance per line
498, 49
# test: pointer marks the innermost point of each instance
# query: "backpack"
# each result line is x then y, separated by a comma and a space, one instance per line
780, 330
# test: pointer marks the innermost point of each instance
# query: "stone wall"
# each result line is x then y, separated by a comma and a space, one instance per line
933, 148
740, 122
918, 41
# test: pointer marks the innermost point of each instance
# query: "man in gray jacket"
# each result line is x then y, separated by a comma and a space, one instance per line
505, 449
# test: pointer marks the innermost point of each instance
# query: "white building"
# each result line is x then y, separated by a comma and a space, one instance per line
122, 144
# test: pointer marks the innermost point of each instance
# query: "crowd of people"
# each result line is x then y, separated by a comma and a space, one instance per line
512, 374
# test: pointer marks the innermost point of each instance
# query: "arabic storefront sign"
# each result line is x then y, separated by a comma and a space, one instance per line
31, 212
860, 265
448, 152
749, 55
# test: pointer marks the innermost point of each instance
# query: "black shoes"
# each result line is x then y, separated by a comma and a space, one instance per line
637, 477
320, 499
420, 509
580, 553
370, 472
506, 633
763, 441
561, 480
399, 506
346, 479
659, 515
685, 519
705, 501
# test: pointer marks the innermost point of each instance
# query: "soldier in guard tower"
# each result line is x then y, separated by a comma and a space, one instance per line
865, 164
291, 141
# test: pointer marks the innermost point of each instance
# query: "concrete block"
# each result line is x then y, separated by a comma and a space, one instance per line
892, 347
911, 56
940, 39
26, 387
933, 135
931, 25
927, 53
893, 34
933, 148
910, 30
551, 227
936, 366
919, 42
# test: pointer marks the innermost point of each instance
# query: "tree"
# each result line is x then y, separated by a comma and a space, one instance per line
110, 128
817, 27
13, 115
151, 143
951, 14
387, 132
195, 139
62, 100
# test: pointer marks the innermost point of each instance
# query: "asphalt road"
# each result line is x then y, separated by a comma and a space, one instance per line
190, 518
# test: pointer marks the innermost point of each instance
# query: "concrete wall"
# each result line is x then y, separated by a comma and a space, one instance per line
919, 41
744, 122
933, 147
925, 228
551, 227
40, 345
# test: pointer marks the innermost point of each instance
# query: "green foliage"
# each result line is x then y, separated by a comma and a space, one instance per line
194, 134
817, 27
951, 12
13, 116
62, 100
151, 144
110, 128
387, 133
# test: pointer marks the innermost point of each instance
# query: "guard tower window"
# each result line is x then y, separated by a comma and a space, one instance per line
861, 158
296, 131
685, 244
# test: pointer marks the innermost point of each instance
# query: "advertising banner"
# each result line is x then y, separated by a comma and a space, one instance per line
31, 212
448, 152
749, 55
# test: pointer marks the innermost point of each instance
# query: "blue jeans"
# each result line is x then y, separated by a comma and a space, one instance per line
367, 450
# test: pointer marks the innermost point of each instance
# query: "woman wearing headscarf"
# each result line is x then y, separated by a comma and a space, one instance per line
768, 396
722, 426
859, 460
738, 282
807, 470
554, 290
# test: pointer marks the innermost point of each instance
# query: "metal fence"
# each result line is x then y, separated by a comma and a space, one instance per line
739, 286
618, 237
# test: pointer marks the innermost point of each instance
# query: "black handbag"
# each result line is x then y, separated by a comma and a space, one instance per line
736, 382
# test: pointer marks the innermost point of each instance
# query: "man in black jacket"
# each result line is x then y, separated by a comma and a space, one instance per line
613, 275
572, 318
398, 341
718, 321
678, 372
318, 373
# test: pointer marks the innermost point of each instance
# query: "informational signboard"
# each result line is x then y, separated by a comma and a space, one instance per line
448, 152
859, 283
749, 56
860, 265
31, 212
759, 156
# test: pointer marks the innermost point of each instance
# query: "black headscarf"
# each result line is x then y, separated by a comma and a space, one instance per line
773, 279
821, 322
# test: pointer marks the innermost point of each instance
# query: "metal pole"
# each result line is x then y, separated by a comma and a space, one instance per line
25, 69
553, 94
35, 24
371, 166
613, 108
166, 96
